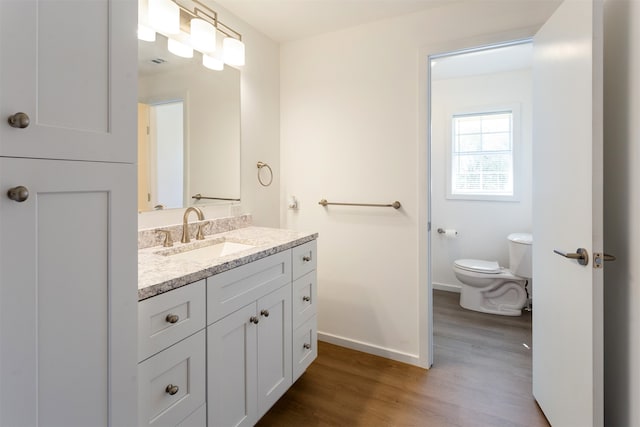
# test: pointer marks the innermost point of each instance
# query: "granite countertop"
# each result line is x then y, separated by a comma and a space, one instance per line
158, 273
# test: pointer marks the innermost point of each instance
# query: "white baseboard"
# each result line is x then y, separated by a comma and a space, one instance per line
446, 287
398, 356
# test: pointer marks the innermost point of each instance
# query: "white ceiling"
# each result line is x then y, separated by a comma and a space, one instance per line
488, 61
286, 20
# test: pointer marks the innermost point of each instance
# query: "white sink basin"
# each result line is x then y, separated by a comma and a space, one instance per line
206, 251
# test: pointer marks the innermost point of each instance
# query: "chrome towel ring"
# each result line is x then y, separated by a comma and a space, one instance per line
264, 165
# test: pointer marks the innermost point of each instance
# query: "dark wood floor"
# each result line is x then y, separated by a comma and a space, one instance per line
481, 376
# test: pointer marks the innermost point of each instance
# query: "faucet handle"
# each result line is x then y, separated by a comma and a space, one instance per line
168, 241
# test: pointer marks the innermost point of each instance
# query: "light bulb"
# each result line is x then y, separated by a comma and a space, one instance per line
164, 16
233, 51
179, 49
146, 34
212, 63
203, 35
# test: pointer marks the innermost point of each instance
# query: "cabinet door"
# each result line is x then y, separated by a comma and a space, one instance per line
68, 294
231, 369
71, 67
274, 347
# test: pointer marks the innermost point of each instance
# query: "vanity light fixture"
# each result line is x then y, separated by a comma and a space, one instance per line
212, 62
164, 16
197, 27
233, 51
203, 35
146, 34
180, 49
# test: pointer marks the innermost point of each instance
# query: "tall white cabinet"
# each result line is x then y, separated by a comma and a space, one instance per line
68, 292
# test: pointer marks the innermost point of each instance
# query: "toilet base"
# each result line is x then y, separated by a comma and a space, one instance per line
508, 299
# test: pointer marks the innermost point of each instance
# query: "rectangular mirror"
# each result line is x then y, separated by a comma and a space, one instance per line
188, 130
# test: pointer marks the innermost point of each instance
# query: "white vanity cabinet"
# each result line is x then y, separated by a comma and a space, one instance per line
257, 337
249, 349
172, 356
305, 321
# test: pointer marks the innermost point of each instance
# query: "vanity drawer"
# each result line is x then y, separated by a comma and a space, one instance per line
305, 346
180, 370
233, 289
304, 298
304, 258
168, 318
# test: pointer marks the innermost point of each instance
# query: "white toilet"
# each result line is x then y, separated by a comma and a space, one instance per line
489, 288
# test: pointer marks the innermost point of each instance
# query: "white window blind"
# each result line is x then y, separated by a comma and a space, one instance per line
482, 154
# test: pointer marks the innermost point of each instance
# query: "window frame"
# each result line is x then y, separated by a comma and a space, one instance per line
516, 143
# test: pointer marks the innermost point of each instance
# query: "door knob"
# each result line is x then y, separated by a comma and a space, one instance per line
18, 194
581, 255
19, 120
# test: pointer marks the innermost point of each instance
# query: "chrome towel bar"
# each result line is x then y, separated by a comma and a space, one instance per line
394, 205
200, 196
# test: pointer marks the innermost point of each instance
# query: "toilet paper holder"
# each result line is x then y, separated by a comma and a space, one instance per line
450, 232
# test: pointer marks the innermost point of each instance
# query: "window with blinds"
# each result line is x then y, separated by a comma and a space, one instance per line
482, 155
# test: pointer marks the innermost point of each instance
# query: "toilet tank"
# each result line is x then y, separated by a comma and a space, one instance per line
520, 254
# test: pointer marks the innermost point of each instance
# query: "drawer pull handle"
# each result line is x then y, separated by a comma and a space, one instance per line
306, 258
172, 389
172, 318
264, 313
254, 319
306, 298
19, 120
306, 346
18, 194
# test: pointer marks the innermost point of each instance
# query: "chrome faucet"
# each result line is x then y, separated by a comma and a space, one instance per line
185, 224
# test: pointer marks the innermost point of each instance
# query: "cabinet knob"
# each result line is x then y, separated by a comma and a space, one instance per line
18, 194
264, 313
172, 389
254, 319
306, 298
306, 258
172, 318
19, 120
306, 346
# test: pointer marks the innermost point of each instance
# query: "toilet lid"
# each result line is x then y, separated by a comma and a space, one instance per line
478, 265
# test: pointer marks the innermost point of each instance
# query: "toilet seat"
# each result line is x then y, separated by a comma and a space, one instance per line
478, 266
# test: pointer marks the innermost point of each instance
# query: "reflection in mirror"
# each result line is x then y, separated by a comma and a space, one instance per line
188, 130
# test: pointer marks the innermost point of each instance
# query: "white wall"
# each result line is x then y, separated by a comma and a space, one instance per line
352, 110
482, 226
260, 130
622, 212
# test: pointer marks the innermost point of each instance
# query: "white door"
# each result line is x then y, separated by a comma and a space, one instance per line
68, 298
70, 66
567, 214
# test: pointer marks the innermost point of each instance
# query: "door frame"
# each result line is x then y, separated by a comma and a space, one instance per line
426, 54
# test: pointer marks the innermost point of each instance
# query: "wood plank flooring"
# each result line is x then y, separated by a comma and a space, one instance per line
481, 376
